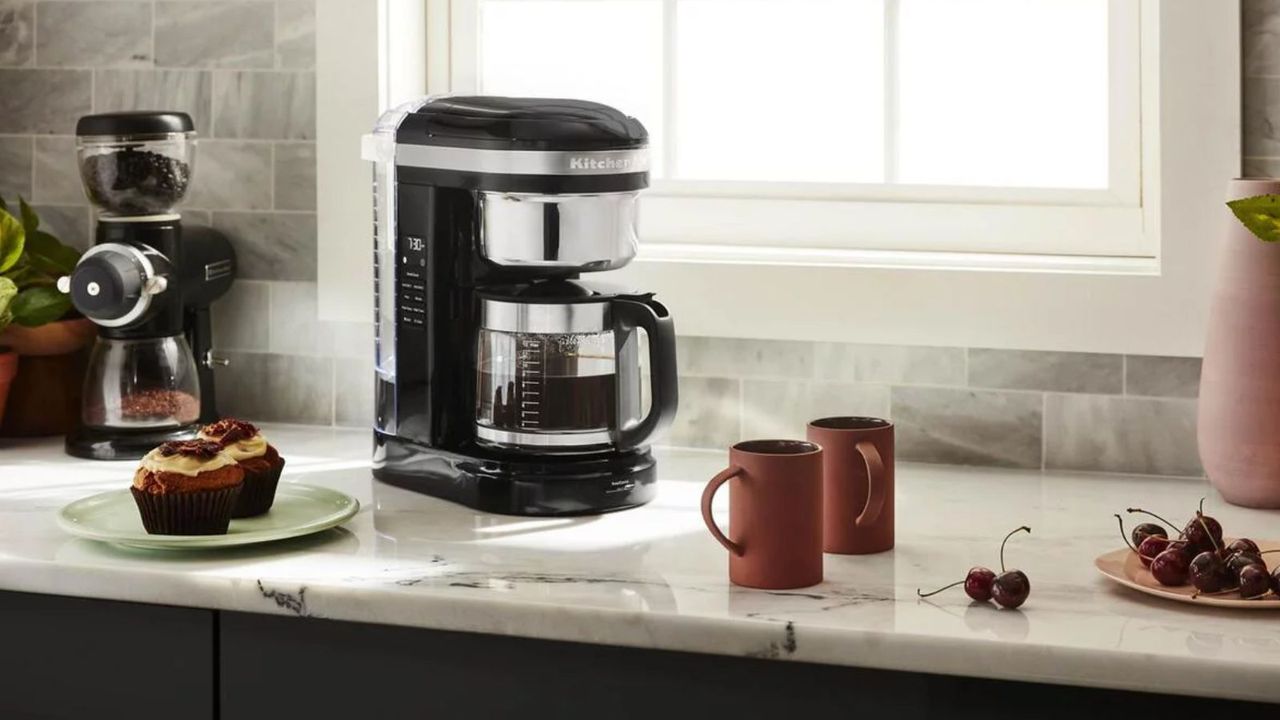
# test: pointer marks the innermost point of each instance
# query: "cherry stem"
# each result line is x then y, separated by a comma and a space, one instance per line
1123, 534
935, 592
1200, 519
1200, 511
1013, 532
1148, 512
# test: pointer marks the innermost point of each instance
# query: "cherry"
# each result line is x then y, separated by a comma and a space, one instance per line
1202, 531
1275, 581
1142, 531
1209, 573
1243, 545
1171, 567
1153, 546
1254, 582
1241, 560
1148, 540
1010, 589
977, 583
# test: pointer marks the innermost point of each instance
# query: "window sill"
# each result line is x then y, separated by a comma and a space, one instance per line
897, 260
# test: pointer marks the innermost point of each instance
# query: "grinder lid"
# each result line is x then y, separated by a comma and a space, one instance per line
143, 122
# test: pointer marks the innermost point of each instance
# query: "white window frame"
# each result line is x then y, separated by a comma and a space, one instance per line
850, 265
893, 217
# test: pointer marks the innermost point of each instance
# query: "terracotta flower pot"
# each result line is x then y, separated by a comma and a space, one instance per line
1239, 414
8, 370
44, 398
57, 338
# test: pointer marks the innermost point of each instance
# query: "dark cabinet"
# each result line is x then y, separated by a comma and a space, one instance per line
71, 658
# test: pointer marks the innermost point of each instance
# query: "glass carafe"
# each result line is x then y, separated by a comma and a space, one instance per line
538, 389
141, 384
565, 375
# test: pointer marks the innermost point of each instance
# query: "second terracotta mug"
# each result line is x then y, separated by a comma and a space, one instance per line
775, 513
857, 483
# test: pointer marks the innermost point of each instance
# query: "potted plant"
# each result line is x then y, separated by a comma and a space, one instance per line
38, 323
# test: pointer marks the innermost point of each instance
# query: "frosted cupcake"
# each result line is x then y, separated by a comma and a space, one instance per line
259, 460
187, 488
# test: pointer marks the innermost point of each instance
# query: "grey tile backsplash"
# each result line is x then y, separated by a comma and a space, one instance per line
974, 406
244, 70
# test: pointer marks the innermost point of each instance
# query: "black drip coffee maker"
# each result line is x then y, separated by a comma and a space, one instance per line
147, 283
504, 382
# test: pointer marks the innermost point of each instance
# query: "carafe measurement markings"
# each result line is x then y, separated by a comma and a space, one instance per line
530, 379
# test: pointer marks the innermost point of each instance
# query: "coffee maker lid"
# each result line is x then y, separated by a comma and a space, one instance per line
509, 123
144, 122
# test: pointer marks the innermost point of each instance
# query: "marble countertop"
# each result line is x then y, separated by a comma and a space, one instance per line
654, 578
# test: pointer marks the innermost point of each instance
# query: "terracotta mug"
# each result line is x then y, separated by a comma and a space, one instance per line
775, 513
857, 483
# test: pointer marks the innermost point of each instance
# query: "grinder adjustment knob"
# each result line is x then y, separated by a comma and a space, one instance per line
113, 283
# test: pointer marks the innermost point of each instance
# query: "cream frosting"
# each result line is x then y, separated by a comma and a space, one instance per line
182, 464
253, 447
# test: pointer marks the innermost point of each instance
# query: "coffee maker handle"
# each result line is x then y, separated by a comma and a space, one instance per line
629, 314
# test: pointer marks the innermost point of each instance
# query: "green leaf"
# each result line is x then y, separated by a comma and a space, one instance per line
39, 305
30, 221
24, 275
12, 240
49, 255
8, 290
1260, 214
3, 205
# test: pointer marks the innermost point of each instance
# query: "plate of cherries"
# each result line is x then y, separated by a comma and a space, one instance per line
1197, 564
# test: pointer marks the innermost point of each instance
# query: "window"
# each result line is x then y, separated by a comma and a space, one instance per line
977, 180
832, 124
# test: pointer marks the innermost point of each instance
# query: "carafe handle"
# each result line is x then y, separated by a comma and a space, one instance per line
629, 314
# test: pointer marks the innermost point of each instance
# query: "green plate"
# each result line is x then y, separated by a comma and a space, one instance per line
298, 510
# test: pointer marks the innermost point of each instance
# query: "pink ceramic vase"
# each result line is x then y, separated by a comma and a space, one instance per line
1239, 414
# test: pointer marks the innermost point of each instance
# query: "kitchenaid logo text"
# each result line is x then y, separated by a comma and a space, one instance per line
590, 163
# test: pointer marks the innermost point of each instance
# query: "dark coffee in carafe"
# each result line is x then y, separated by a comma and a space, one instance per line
548, 402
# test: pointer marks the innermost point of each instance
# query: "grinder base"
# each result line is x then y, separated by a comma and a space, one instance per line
100, 444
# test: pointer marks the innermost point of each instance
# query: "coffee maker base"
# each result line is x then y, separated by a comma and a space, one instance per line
550, 486
116, 444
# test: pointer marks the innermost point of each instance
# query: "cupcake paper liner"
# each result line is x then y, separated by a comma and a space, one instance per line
258, 493
197, 513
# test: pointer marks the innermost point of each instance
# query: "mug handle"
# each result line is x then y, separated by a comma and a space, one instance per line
707, 495
875, 484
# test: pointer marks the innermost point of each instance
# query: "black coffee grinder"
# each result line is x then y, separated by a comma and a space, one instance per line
503, 382
147, 284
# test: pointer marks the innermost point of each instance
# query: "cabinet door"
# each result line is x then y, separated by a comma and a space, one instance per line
66, 657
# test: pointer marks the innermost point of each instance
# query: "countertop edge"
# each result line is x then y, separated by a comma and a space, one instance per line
762, 638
